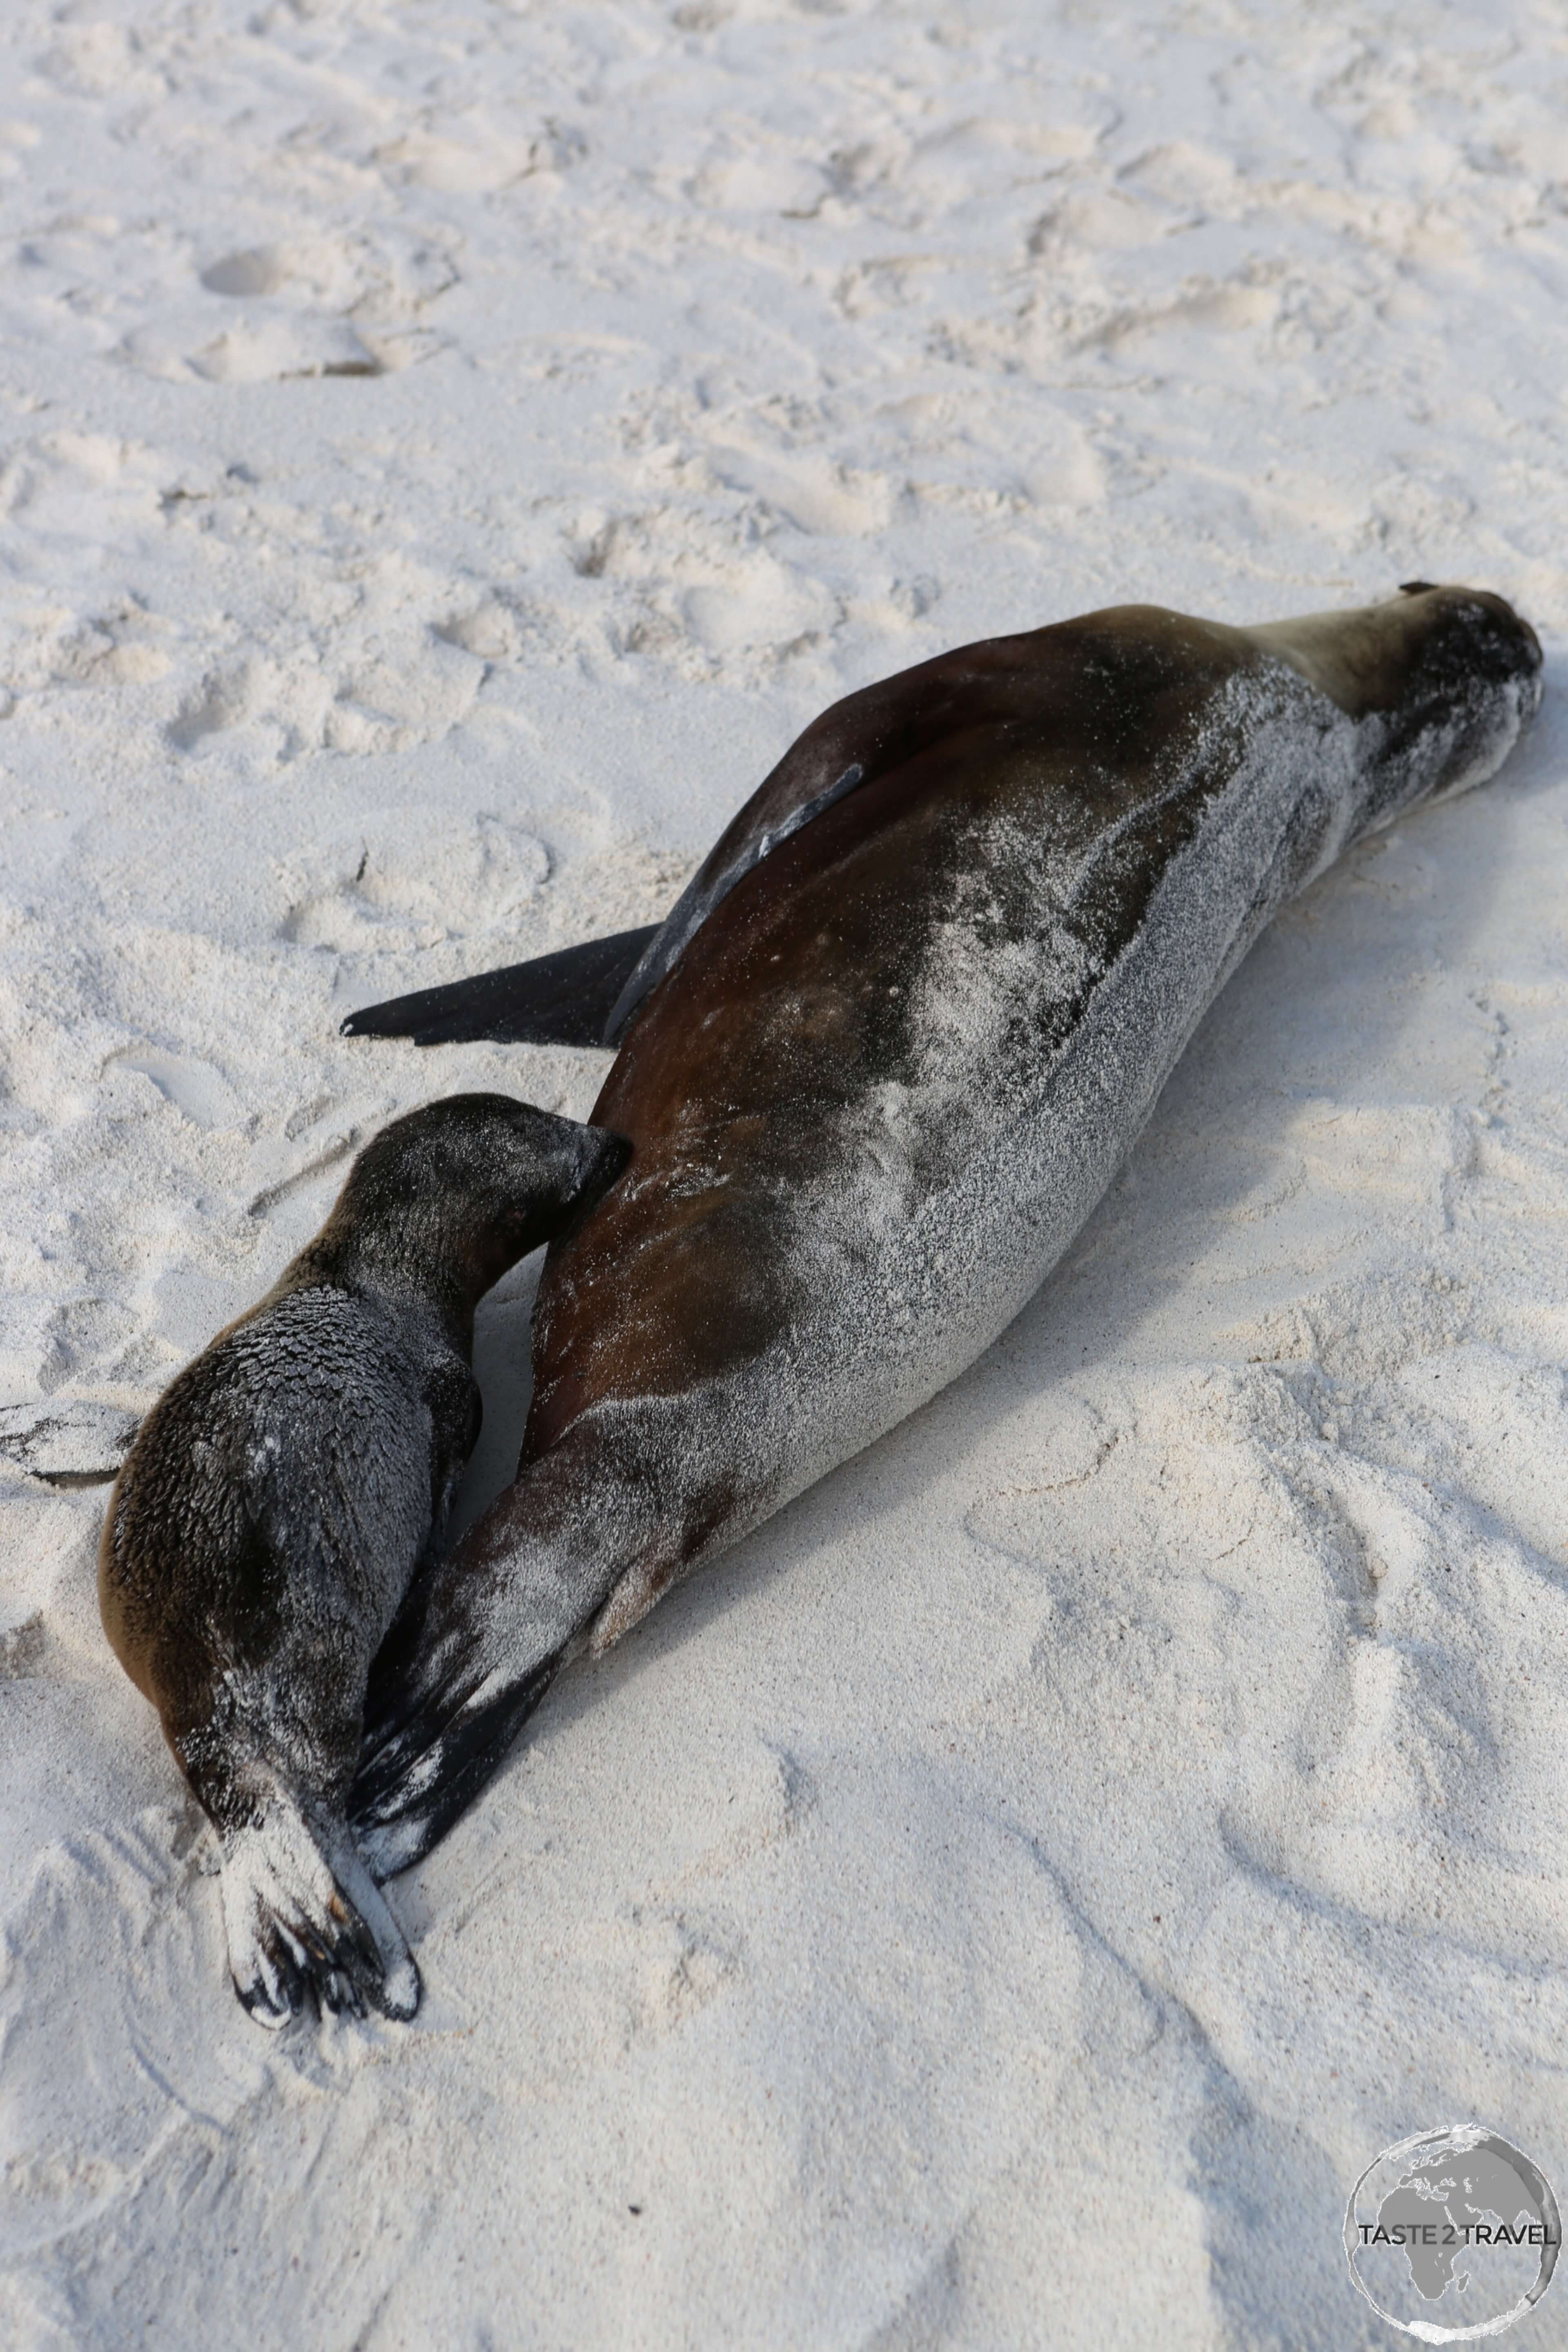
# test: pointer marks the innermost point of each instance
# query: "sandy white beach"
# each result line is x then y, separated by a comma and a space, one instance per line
446, 454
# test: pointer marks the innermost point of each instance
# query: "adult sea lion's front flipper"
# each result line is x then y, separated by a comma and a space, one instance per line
768, 818
563, 999
586, 995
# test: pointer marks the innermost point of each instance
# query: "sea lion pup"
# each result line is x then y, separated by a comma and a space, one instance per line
882, 1082
281, 1494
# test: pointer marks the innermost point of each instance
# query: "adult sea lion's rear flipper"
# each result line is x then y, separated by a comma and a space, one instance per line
438, 1719
563, 999
415, 1781
483, 1635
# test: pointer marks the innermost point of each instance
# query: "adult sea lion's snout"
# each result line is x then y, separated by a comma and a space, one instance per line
1447, 679
1471, 633
1472, 664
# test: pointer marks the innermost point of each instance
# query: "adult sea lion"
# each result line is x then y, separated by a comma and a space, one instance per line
278, 1498
906, 1024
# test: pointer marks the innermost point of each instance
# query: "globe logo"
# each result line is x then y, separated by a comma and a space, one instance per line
1453, 2234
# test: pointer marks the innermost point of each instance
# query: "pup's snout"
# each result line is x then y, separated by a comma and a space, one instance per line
603, 1157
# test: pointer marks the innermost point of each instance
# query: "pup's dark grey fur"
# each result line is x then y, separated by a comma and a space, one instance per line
281, 1495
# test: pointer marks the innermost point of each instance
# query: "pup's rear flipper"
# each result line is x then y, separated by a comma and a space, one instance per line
307, 1923
563, 998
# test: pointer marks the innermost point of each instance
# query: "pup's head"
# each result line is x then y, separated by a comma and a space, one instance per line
449, 1196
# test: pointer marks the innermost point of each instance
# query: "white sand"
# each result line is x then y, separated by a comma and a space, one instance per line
448, 450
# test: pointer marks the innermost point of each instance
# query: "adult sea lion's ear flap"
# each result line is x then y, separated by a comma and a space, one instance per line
563, 998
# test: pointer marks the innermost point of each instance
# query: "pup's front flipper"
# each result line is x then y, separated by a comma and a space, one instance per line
306, 1922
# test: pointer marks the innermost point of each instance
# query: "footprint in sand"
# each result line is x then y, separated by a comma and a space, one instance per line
74, 1443
412, 878
318, 307
197, 1091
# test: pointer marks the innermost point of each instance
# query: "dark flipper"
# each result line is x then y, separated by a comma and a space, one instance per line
563, 998
712, 881
587, 995
854, 742
412, 1787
